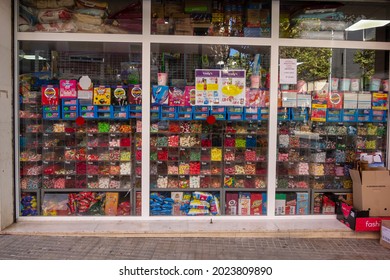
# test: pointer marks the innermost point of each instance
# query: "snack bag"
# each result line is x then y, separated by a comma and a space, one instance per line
111, 205
214, 206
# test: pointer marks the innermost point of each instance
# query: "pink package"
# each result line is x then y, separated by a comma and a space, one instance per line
178, 97
190, 91
68, 89
257, 98
231, 203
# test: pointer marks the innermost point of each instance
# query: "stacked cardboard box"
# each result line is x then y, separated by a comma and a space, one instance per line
371, 191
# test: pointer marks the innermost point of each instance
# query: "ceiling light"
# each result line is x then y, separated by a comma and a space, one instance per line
31, 57
366, 24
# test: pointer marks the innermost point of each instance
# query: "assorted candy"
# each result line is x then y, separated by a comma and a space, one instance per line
189, 155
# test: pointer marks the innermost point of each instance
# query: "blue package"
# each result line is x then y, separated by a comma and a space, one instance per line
168, 200
160, 95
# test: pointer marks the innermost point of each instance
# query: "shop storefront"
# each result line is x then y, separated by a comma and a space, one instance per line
197, 108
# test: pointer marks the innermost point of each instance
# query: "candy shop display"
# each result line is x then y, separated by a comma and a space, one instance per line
86, 203
192, 155
28, 205
318, 155
184, 204
192, 162
65, 155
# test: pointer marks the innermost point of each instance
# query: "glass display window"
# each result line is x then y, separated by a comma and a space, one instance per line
230, 132
202, 141
67, 141
337, 97
212, 18
343, 20
79, 16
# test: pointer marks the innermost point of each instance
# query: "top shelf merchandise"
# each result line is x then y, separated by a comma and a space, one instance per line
212, 18
71, 16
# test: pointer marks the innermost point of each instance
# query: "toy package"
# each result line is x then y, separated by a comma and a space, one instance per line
50, 95
379, 101
68, 89
335, 100
85, 90
102, 95
160, 95
178, 97
134, 95
119, 96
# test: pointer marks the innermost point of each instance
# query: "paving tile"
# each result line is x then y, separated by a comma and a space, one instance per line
83, 247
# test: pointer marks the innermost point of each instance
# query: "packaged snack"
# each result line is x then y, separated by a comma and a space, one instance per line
177, 198
88, 28
57, 27
199, 204
102, 95
231, 203
280, 204
88, 19
85, 90
214, 206
244, 204
178, 97
53, 16
291, 203
50, 95
29, 14
198, 212
160, 95
92, 4
68, 89
256, 204
328, 205
119, 96
202, 196
134, 95
48, 4
335, 100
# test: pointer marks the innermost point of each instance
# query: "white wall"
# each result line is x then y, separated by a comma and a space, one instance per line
6, 109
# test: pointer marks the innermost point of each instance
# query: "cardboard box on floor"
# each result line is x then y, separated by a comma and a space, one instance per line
385, 234
357, 220
371, 191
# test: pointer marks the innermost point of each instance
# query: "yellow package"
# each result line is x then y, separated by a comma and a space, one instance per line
111, 207
102, 95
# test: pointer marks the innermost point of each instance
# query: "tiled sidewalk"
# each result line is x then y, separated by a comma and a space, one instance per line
128, 248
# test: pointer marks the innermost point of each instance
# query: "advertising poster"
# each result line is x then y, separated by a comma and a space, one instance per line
220, 87
207, 87
232, 84
288, 71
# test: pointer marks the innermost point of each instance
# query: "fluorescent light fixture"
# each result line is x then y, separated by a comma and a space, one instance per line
31, 57
366, 24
